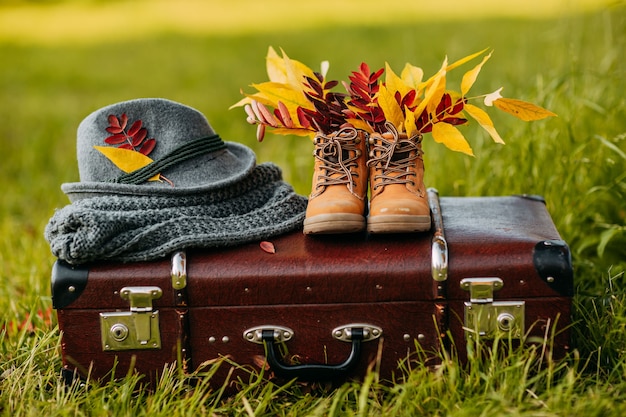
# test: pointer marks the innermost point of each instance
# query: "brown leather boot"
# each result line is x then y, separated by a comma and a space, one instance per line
398, 202
337, 200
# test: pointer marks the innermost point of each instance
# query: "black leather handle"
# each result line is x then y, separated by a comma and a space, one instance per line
312, 372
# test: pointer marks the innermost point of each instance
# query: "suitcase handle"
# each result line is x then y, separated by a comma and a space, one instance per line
313, 372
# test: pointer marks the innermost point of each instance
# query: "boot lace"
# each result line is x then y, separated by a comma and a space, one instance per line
339, 154
396, 156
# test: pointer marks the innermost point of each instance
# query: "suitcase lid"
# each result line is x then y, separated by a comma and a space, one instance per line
511, 238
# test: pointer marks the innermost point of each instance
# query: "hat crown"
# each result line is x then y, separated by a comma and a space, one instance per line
171, 124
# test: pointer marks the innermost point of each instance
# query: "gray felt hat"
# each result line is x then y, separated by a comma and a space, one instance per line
184, 148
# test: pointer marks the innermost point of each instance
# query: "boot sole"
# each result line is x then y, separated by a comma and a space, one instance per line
398, 224
334, 223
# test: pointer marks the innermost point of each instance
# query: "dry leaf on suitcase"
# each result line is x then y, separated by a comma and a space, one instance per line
268, 247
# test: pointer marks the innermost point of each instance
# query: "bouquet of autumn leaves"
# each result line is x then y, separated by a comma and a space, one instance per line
297, 100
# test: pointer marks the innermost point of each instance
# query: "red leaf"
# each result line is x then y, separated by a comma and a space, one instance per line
365, 69
126, 146
116, 139
124, 121
268, 247
458, 106
139, 136
113, 129
454, 120
330, 85
302, 119
134, 128
113, 121
147, 146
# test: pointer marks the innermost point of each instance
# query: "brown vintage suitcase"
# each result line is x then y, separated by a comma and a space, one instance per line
326, 307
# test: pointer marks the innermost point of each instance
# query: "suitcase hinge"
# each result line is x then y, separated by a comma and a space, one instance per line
487, 318
179, 270
137, 328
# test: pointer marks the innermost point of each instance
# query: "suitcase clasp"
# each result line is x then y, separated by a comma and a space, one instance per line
137, 328
487, 318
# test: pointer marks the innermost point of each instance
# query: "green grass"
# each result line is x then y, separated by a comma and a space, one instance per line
573, 65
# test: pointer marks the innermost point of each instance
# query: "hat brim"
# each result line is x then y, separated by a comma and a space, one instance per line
199, 175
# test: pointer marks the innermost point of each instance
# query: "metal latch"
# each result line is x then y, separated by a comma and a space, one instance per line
255, 334
137, 328
487, 318
344, 333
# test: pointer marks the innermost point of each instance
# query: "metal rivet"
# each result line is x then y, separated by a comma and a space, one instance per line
246, 290
211, 339
286, 335
379, 287
71, 288
406, 337
421, 337
225, 339
550, 279
308, 289
375, 332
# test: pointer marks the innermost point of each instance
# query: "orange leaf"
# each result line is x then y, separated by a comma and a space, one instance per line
268, 247
522, 109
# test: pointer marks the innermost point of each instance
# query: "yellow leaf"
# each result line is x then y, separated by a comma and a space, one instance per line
436, 97
464, 60
285, 70
360, 124
470, 76
522, 109
296, 72
409, 123
412, 76
270, 93
292, 131
275, 66
484, 120
442, 72
432, 88
241, 103
394, 83
390, 107
451, 137
126, 159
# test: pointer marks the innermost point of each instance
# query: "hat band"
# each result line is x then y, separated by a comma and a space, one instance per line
187, 151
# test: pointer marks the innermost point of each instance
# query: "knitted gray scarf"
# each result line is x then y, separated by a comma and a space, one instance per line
141, 228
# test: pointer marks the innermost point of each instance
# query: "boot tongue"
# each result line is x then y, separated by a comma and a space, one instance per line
399, 156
